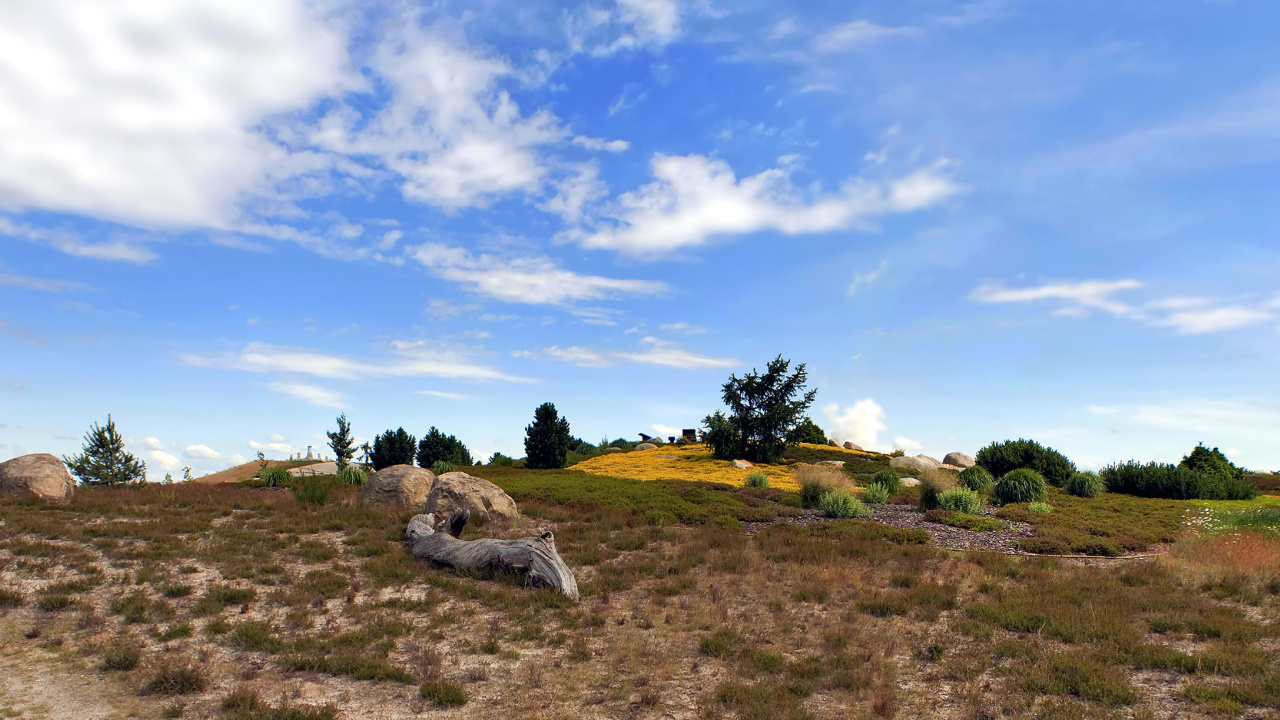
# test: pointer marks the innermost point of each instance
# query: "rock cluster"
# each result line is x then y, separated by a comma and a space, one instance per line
414, 487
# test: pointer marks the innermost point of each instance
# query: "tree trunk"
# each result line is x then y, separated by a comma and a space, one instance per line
534, 556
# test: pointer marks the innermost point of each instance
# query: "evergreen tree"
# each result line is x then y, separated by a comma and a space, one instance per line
103, 461
393, 447
807, 431
435, 446
344, 447
547, 440
1212, 462
763, 411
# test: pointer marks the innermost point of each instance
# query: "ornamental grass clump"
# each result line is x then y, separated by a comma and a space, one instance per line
977, 479
353, 475
817, 480
841, 505
757, 479
890, 480
1085, 485
875, 494
933, 484
961, 500
1019, 486
274, 476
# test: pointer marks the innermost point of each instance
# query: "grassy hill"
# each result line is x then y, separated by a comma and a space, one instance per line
247, 471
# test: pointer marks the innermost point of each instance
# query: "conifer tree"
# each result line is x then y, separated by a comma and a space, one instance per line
344, 447
103, 460
393, 447
547, 440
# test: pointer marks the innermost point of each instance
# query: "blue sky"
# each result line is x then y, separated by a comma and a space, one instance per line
225, 223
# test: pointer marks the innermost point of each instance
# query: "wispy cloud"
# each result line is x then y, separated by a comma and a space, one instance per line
858, 34
22, 334
53, 286
591, 143
318, 396
405, 359
442, 394
683, 328
1216, 418
861, 280
656, 352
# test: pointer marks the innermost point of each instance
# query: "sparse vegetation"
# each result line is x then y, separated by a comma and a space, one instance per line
353, 475
274, 476
442, 693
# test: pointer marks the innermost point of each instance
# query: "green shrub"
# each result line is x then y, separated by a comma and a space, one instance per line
961, 500
1000, 458
442, 693
501, 460
1042, 508
315, 490
441, 467
1019, 486
1159, 480
977, 479
275, 476
1212, 462
353, 475
121, 655
1085, 485
875, 494
757, 479
54, 603
932, 486
807, 432
840, 504
811, 492
890, 480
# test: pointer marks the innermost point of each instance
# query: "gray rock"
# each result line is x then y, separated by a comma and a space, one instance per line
833, 463
741, 464
909, 482
646, 446
913, 465
959, 460
834, 443
398, 486
480, 498
936, 462
852, 446
40, 474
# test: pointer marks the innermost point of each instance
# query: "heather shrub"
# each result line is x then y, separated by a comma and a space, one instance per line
1173, 482
961, 500
1019, 486
315, 490
757, 479
275, 476
1042, 508
1000, 458
353, 475
932, 485
977, 479
875, 494
121, 655
840, 504
442, 693
1085, 484
890, 480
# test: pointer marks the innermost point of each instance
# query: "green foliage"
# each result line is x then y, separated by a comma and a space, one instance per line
932, 486
393, 447
841, 505
435, 446
501, 460
442, 693
807, 431
888, 479
1085, 485
763, 411
1042, 508
343, 445
121, 655
876, 494
977, 479
315, 490
1022, 485
757, 479
103, 460
999, 458
441, 467
275, 477
353, 475
1174, 482
961, 500
811, 491
547, 439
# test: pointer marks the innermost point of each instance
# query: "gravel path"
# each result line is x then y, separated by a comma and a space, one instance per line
944, 536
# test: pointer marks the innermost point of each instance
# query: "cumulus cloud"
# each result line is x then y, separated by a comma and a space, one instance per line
666, 430
153, 443
166, 461
591, 143
909, 446
406, 359
200, 452
575, 192
531, 280
657, 352
277, 445
860, 423
694, 199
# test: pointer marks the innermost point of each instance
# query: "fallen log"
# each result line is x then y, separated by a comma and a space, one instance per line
534, 557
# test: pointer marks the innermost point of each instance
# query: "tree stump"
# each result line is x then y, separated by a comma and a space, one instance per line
534, 557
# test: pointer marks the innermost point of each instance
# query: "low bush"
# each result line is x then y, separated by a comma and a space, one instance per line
10, 598
842, 505
889, 479
1173, 482
353, 475
817, 480
875, 494
175, 679
1018, 486
1000, 458
121, 655
442, 693
961, 500
1042, 508
315, 490
275, 477
1085, 485
932, 485
246, 705
757, 479
977, 479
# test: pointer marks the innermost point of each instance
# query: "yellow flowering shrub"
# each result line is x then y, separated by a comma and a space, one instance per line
682, 462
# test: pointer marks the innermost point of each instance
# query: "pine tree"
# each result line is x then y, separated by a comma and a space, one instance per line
103, 460
763, 411
435, 446
344, 447
393, 447
547, 440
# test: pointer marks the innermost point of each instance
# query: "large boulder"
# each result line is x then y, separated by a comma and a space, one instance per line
852, 446
398, 486
959, 460
834, 443
832, 463
480, 498
41, 474
646, 446
742, 464
912, 465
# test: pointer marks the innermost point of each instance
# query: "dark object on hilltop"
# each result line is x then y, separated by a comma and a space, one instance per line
104, 460
689, 435
393, 447
999, 458
343, 445
436, 447
762, 413
534, 557
41, 474
808, 432
547, 440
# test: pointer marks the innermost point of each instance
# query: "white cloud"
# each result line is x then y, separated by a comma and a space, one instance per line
866, 278
909, 446
1208, 416
278, 447
666, 430
407, 359
532, 280
575, 192
153, 443
694, 199
857, 34
167, 461
1194, 322
683, 328
655, 21
238, 459
659, 352
200, 452
317, 396
861, 424
443, 394
174, 90
591, 143
30, 283
276, 438
1093, 294
580, 356
122, 250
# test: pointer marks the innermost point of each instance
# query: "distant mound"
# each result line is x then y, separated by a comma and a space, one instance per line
247, 471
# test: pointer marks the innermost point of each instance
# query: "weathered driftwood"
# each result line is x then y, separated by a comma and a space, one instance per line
535, 556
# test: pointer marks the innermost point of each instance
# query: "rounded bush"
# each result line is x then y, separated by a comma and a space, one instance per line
1018, 486
757, 479
890, 479
840, 504
1085, 484
977, 479
353, 475
875, 494
275, 476
962, 500
1001, 457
